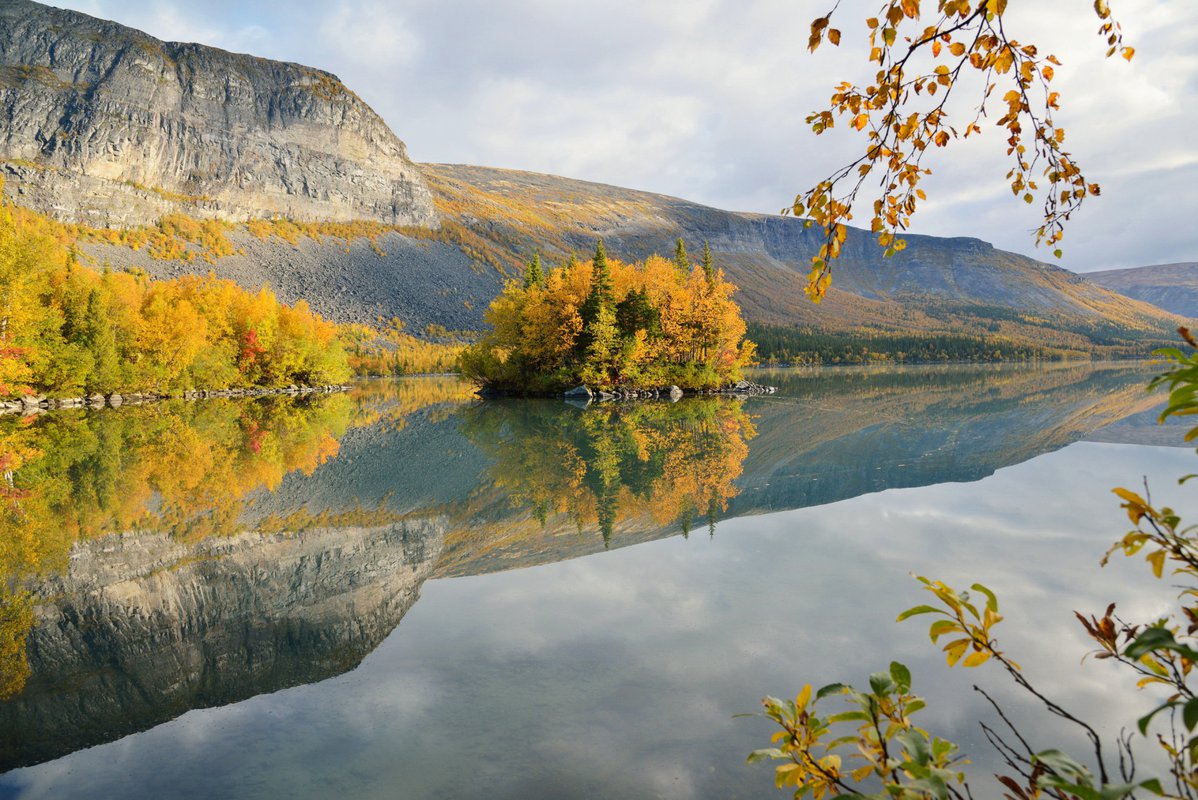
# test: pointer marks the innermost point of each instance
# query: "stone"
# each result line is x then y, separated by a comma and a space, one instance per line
578, 393
675, 393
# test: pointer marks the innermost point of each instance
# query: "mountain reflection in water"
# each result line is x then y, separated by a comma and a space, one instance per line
183, 555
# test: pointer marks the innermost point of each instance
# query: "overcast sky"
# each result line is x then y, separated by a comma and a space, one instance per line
705, 99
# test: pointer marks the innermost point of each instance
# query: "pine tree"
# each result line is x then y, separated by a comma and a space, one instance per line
533, 275
680, 258
101, 343
601, 284
708, 265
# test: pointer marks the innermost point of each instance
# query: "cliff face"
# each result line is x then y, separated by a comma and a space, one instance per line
144, 627
106, 125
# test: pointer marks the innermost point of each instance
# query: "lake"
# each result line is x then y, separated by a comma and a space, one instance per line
406, 592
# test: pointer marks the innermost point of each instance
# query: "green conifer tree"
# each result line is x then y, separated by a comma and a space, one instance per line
601, 284
533, 275
100, 340
681, 261
708, 265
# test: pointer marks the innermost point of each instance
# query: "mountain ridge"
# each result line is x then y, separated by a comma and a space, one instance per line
1173, 287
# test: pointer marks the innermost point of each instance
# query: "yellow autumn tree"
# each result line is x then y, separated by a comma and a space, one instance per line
612, 325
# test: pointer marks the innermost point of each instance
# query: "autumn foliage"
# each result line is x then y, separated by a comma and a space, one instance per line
67, 329
608, 325
923, 51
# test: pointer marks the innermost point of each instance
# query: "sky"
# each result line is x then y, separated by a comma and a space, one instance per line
707, 99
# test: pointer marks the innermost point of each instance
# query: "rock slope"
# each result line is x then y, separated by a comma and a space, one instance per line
106, 125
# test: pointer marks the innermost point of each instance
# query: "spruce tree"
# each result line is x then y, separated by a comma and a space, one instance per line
100, 341
680, 259
533, 275
601, 283
598, 336
708, 265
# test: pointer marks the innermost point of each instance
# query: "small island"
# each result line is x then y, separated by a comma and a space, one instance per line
619, 329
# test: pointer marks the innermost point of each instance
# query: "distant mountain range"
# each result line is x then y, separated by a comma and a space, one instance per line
107, 126
1173, 287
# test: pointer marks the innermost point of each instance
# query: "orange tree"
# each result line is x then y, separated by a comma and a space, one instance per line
922, 51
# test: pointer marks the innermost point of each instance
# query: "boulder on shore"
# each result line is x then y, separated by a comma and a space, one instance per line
578, 392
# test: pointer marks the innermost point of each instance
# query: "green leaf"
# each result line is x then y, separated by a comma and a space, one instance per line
1142, 722
763, 754
1158, 638
911, 612
991, 600
1153, 785
901, 676
831, 688
881, 683
916, 745
848, 716
1063, 764
1189, 713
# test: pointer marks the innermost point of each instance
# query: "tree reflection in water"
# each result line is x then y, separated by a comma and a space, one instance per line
607, 464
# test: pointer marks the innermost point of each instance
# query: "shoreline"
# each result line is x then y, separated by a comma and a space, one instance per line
39, 404
585, 395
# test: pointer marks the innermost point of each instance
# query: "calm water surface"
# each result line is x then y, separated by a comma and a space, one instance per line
409, 593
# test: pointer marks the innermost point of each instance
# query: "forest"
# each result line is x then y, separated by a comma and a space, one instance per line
68, 329
779, 345
607, 324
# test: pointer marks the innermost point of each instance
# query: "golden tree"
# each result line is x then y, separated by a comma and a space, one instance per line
905, 113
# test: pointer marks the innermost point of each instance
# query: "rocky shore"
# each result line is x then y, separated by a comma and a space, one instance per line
35, 404
584, 394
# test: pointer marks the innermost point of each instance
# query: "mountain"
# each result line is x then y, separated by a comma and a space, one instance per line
1173, 287
106, 125
936, 286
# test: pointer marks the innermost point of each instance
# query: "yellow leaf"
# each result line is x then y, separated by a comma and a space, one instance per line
1157, 560
834, 36
804, 696
1129, 496
954, 650
861, 121
976, 659
1129, 53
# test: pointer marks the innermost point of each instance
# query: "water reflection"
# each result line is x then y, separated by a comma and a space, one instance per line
670, 462
181, 556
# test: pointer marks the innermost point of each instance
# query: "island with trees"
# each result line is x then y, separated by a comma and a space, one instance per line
613, 327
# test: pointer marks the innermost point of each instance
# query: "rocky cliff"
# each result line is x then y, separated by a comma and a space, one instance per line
144, 626
106, 125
